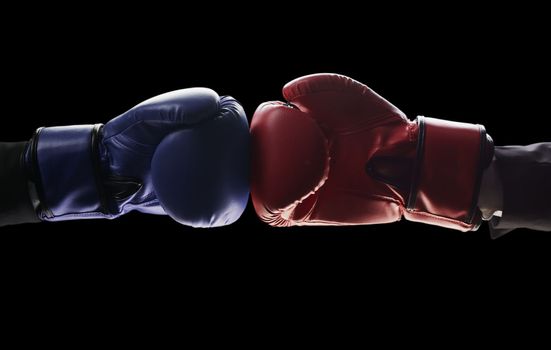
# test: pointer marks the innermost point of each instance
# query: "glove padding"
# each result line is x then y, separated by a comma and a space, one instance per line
339, 154
198, 140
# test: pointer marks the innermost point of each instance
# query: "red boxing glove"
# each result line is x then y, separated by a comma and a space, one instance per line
339, 154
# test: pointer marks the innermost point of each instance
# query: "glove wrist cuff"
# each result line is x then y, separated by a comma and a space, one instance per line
451, 157
65, 174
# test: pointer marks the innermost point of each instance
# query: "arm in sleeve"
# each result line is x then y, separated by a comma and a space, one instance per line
15, 203
525, 176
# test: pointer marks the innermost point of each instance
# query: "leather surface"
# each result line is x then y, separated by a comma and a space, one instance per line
360, 131
211, 162
214, 129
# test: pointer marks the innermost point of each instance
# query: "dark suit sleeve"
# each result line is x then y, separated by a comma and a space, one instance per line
15, 203
525, 173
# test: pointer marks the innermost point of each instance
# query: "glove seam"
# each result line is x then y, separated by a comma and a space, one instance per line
381, 120
440, 218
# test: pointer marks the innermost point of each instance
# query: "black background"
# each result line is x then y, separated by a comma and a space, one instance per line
470, 69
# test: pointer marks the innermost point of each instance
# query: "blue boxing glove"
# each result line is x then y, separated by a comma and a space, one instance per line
184, 154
